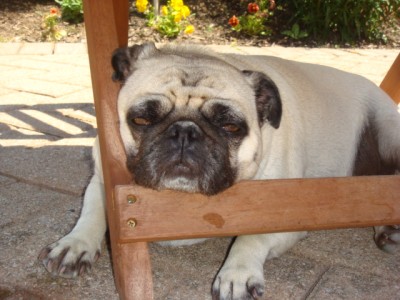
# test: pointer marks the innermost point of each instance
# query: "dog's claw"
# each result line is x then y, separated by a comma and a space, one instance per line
229, 286
256, 290
43, 253
68, 257
387, 238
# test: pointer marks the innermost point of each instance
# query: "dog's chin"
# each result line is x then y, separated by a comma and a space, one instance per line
181, 183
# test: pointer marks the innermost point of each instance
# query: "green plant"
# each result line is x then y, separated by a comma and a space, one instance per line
50, 29
295, 32
253, 21
173, 18
342, 20
71, 10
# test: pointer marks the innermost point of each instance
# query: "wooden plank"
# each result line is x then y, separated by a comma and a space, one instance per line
391, 82
135, 266
106, 25
260, 206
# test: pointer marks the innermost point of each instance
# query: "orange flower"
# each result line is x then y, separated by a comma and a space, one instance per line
253, 8
234, 21
53, 11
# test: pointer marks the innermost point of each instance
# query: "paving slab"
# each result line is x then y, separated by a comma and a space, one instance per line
65, 168
11, 136
41, 87
350, 248
12, 73
36, 62
81, 96
4, 181
36, 48
61, 126
70, 49
4, 91
339, 283
12, 99
10, 48
71, 74
62, 59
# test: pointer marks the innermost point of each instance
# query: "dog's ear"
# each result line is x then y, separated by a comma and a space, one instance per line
268, 100
123, 59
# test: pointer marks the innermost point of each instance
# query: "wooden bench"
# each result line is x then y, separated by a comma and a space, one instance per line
134, 214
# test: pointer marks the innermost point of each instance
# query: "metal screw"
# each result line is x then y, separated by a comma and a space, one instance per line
131, 199
131, 223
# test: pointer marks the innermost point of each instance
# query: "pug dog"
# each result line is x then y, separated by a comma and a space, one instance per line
196, 121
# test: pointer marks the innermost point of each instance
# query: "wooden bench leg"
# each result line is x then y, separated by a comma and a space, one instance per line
106, 24
135, 267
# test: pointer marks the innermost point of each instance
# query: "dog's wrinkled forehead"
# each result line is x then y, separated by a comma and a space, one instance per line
183, 83
186, 81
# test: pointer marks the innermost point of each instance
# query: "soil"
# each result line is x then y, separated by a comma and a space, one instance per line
21, 21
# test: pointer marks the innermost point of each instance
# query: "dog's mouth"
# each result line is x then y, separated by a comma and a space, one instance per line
180, 176
184, 164
181, 169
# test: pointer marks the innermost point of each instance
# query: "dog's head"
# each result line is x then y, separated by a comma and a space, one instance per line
190, 121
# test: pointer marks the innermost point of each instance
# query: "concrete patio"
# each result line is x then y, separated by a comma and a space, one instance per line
47, 127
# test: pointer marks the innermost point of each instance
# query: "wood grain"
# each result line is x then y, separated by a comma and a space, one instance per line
259, 207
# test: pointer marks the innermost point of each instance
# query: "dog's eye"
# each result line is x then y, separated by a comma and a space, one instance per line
231, 128
141, 121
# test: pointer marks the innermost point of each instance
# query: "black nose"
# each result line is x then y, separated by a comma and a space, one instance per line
184, 134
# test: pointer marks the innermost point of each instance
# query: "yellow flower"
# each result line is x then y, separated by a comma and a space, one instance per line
189, 29
164, 10
59, 34
176, 4
177, 17
142, 2
185, 11
141, 5
141, 8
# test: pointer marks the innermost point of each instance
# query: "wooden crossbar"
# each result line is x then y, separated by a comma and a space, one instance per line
258, 207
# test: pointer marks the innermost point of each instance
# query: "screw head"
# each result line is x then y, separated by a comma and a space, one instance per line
131, 199
131, 223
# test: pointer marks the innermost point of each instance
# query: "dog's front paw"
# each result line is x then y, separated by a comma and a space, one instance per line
70, 256
238, 283
387, 238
